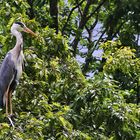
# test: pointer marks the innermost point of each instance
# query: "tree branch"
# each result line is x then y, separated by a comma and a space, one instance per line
90, 29
83, 21
65, 25
96, 10
82, 24
117, 30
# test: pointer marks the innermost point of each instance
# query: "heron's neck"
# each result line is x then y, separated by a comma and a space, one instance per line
19, 44
19, 38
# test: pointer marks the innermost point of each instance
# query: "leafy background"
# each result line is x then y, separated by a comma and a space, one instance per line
55, 98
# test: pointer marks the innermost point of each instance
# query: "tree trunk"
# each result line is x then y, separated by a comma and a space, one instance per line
54, 14
31, 10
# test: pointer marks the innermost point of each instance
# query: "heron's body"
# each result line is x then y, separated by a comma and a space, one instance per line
6, 72
11, 68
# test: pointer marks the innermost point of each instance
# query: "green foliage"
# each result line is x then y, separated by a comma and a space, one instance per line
103, 113
123, 65
54, 100
119, 57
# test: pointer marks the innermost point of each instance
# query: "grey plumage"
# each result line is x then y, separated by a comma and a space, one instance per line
7, 77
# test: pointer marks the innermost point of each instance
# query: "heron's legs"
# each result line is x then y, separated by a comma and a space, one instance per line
9, 100
6, 98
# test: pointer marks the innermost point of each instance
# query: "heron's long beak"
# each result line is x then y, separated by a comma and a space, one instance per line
27, 30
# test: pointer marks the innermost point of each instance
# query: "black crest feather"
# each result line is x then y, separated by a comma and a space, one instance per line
20, 23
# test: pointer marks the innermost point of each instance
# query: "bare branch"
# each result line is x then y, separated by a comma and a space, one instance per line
95, 47
90, 29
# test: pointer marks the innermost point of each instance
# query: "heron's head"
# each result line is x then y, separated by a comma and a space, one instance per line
20, 26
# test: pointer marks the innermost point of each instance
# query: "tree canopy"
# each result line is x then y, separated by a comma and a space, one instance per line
57, 98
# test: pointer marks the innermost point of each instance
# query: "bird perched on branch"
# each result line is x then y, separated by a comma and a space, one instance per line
11, 67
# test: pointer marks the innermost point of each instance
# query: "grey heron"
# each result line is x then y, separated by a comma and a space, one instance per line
11, 67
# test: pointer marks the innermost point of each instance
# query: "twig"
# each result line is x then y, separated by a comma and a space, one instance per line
11, 122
